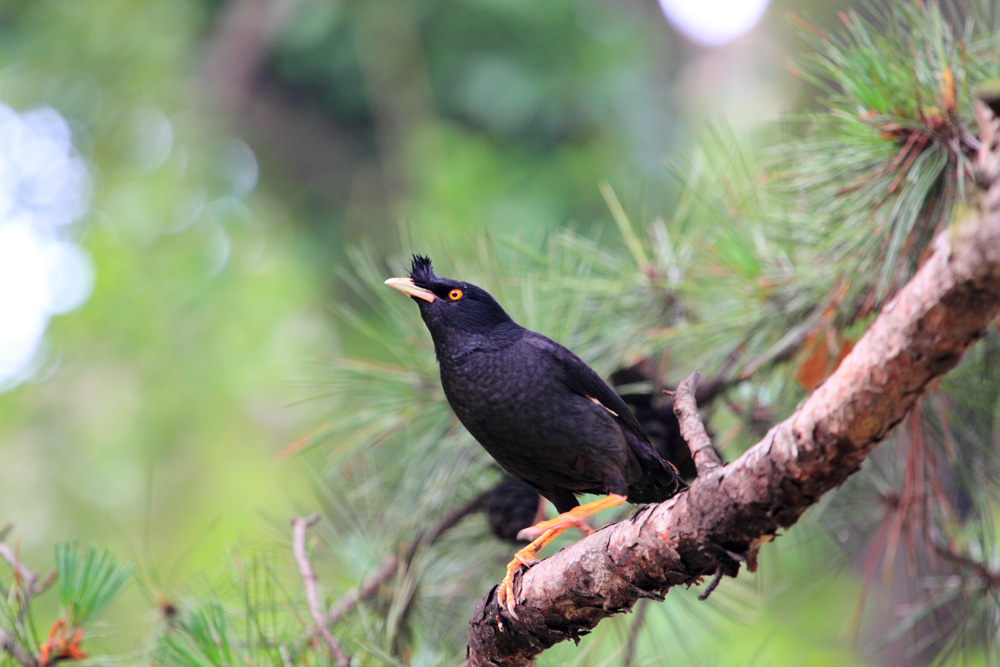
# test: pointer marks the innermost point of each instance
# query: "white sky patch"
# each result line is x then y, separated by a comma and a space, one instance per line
713, 22
44, 189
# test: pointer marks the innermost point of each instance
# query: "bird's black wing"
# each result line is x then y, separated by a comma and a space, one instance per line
582, 379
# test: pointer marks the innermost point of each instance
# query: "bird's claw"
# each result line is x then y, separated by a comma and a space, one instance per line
549, 529
525, 559
505, 593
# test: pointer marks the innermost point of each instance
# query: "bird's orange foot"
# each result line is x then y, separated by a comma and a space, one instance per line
549, 529
562, 522
575, 518
505, 592
526, 557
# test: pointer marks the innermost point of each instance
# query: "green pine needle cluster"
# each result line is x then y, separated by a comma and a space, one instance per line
202, 640
896, 139
87, 582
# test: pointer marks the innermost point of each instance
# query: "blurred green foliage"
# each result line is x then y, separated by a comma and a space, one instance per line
153, 425
238, 242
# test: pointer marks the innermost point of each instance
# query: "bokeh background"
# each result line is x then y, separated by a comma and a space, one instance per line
183, 184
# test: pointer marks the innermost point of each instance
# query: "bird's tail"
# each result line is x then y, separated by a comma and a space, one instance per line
659, 479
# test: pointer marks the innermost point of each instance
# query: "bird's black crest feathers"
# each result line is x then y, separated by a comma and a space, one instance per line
421, 271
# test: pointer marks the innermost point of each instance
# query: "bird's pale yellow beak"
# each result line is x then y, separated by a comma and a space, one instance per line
406, 286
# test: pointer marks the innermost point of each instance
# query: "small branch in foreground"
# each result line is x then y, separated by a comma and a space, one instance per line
692, 428
299, 526
369, 587
374, 583
713, 584
989, 576
29, 580
633, 635
26, 585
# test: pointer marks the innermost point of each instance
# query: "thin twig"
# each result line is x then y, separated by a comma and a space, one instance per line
373, 583
368, 588
988, 575
634, 632
713, 584
29, 580
692, 428
299, 526
451, 520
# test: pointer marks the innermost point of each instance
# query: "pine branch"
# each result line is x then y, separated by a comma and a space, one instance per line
27, 586
693, 431
29, 582
299, 526
369, 587
729, 512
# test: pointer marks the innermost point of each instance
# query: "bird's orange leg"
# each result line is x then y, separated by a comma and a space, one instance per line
544, 532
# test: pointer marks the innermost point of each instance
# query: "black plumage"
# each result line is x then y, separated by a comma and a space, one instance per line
511, 506
541, 412
655, 412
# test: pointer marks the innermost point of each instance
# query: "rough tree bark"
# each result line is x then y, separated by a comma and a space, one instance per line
730, 511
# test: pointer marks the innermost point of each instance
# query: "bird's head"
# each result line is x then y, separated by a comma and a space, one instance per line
453, 310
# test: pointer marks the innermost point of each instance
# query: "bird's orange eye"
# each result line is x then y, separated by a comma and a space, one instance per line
455, 294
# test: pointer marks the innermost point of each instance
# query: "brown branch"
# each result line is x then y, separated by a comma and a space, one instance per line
449, 521
22, 574
299, 527
633, 634
729, 512
369, 587
989, 576
30, 584
374, 583
27, 585
714, 583
692, 428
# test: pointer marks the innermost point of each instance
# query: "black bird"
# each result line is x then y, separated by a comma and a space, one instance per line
654, 410
542, 413
510, 507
